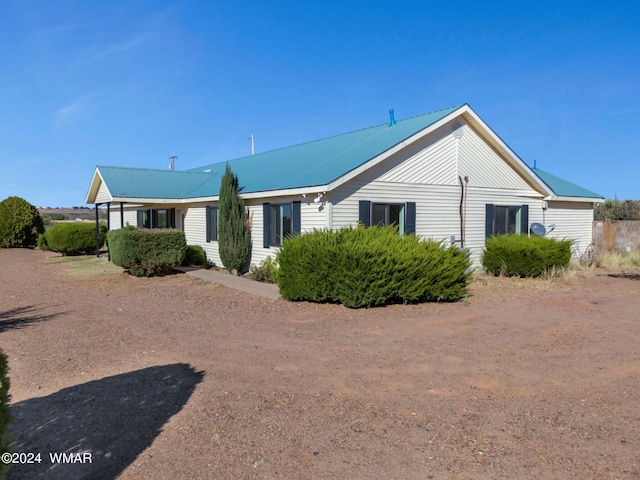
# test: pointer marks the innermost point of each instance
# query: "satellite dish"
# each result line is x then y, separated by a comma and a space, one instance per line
538, 229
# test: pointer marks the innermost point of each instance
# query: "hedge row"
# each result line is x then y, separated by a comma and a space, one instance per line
523, 256
75, 238
5, 413
146, 252
370, 267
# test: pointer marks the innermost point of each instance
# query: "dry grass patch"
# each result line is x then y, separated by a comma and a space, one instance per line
85, 265
618, 260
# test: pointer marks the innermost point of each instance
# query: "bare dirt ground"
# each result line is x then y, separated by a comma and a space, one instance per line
175, 378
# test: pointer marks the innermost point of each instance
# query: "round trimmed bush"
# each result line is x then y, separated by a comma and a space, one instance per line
144, 252
77, 238
195, 256
20, 223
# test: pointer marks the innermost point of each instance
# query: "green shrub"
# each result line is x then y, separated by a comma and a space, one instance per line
5, 413
370, 267
234, 226
20, 223
195, 256
523, 256
146, 252
72, 238
42, 243
266, 272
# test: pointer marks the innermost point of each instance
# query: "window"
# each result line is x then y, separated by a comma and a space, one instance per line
279, 221
503, 220
403, 215
152, 218
163, 219
212, 224
385, 214
144, 218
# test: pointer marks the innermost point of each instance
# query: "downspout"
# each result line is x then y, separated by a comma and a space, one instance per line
464, 224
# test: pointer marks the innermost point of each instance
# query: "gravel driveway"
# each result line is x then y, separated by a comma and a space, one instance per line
176, 378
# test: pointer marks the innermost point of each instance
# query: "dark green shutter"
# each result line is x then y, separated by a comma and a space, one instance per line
364, 212
265, 224
410, 218
140, 222
524, 220
215, 223
208, 235
296, 218
489, 220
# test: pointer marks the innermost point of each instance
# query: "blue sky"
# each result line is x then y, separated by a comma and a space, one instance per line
132, 82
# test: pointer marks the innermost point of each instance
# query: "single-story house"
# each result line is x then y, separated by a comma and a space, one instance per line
444, 175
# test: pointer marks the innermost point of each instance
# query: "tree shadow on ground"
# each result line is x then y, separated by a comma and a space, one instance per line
114, 419
628, 276
21, 316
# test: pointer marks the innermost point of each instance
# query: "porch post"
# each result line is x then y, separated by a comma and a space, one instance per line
97, 231
121, 215
108, 228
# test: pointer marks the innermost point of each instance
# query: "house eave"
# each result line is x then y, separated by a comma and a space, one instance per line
557, 198
504, 150
393, 150
94, 187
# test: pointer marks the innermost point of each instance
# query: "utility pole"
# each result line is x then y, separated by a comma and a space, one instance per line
172, 165
253, 145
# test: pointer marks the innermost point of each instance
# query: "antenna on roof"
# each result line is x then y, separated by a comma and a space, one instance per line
253, 145
172, 165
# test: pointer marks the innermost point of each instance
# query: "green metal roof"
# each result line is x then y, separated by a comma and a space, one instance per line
126, 182
319, 162
563, 188
308, 164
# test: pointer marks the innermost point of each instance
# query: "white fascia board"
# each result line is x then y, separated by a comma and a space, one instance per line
290, 192
94, 187
555, 198
506, 150
395, 149
157, 201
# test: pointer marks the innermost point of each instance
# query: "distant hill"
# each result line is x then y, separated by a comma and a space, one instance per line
72, 213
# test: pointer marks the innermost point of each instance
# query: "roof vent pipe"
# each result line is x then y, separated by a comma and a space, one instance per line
392, 120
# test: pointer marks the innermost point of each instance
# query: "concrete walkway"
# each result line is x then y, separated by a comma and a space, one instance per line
266, 290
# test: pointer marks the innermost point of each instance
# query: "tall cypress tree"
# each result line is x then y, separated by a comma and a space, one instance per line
234, 234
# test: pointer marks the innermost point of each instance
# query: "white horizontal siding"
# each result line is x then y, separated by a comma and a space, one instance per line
484, 167
572, 220
195, 230
313, 216
432, 160
436, 205
475, 225
437, 208
130, 217
103, 195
